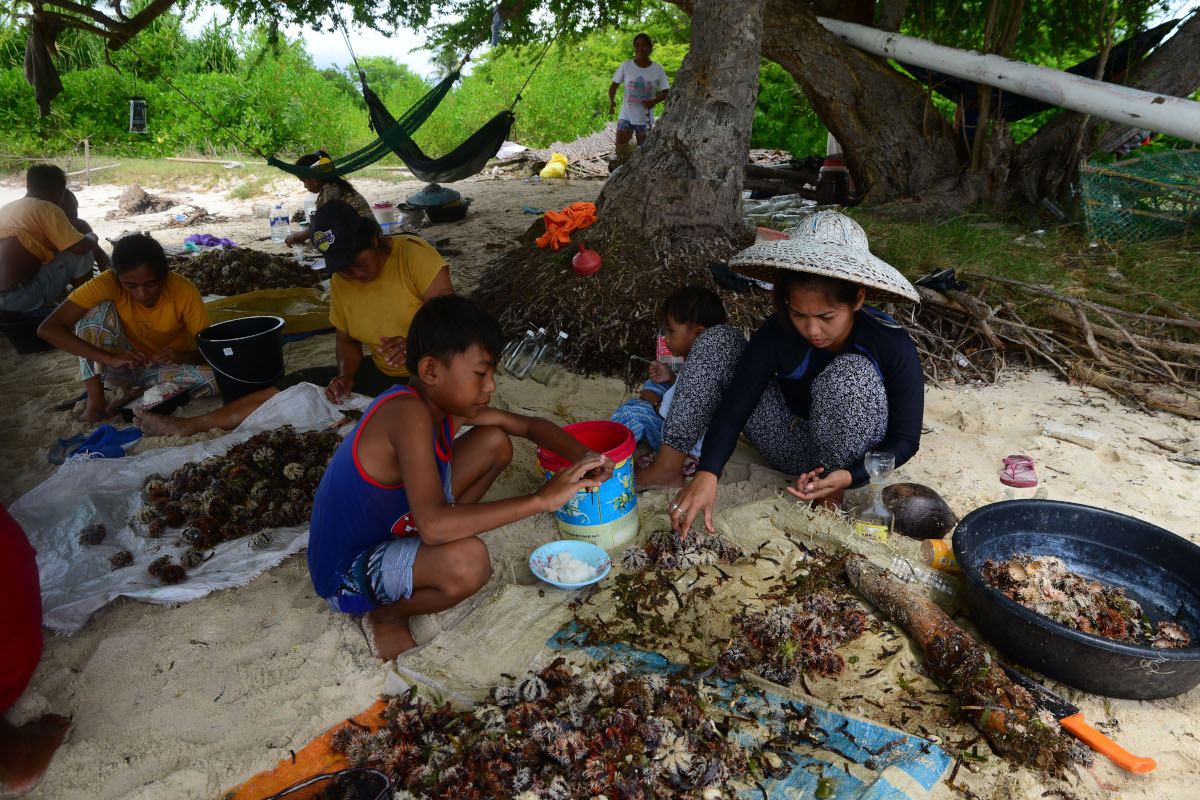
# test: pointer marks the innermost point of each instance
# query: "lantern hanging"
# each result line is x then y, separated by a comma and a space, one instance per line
137, 115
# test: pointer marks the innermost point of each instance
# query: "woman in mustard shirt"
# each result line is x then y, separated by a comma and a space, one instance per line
132, 327
377, 284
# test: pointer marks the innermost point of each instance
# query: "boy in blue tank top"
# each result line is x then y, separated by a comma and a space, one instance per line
394, 530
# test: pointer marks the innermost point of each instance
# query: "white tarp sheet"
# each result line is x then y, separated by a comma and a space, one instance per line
77, 579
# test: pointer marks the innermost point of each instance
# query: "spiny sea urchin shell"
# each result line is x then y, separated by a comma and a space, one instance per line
634, 559
172, 574
260, 540
293, 471
121, 558
93, 534
158, 565
192, 558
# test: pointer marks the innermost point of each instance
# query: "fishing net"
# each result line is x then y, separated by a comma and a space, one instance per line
1144, 198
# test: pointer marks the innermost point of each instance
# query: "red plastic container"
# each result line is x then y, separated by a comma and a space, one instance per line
604, 436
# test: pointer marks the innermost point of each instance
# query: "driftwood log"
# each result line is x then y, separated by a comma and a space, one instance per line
1001, 710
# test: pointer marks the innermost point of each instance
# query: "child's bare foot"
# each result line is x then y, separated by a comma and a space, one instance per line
25, 752
160, 424
387, 633
654, 477
93, 414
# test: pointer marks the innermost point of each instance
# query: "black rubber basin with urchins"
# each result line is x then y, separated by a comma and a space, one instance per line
1158, 569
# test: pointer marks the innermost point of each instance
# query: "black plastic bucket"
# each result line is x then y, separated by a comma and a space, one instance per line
246, 354
1155, 567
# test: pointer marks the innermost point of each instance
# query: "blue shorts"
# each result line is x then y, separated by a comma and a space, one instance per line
378, 576
626, 125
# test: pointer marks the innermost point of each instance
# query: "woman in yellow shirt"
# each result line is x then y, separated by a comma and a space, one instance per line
132, 327
377, 283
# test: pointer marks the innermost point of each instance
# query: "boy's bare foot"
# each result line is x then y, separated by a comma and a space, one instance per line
387, 633
92, 414
653, 477
160, 424
25, 752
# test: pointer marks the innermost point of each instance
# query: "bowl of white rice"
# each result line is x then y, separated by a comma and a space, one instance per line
569, 564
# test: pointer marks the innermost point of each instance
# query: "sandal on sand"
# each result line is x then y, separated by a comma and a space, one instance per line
1019, 472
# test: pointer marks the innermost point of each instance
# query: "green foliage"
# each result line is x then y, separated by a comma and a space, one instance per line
783, 118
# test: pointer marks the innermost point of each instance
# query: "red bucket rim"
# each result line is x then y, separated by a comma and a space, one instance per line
620, 441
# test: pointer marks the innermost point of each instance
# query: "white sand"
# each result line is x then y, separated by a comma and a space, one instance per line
190, 701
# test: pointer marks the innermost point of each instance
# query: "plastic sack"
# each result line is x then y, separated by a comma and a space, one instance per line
77, 580
556, 167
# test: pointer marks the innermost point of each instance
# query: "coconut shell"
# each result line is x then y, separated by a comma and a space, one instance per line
919, 512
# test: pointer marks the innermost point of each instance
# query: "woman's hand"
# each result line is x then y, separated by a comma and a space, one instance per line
697, 496
394, 350
661, 373
814, 486
568, 482
338, 388
130, 359
612, 108
167, 355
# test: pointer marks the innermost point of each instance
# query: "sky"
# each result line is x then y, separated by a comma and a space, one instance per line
328, 48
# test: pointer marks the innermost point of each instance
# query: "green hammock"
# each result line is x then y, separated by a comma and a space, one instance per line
395, 136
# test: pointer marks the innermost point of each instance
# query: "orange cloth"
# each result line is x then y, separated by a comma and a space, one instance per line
561, 224
317, 758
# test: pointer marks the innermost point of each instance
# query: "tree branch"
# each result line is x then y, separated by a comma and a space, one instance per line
84, 11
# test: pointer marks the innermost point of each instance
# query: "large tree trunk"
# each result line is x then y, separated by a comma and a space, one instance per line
671, 209
685, 182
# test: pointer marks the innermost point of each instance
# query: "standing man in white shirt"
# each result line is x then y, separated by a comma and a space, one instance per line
645, 84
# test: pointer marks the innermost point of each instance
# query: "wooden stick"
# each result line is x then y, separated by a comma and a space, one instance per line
1003, 711
1163, 445
227, 163
1182, 349
93, 169
1044, 292
1090, 337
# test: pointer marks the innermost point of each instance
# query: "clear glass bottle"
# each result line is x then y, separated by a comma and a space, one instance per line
872, 519
280, 225
527, 354
550, 360
510, 350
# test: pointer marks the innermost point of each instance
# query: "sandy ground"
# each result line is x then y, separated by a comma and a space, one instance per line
188, 702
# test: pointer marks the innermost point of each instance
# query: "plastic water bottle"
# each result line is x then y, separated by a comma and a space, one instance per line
510, 350
280, 226
550, 360
526, 355
943, 587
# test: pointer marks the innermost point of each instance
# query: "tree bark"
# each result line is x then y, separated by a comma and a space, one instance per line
896, 142
685, 182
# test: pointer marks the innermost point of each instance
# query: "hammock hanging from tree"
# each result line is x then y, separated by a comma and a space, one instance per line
395, 135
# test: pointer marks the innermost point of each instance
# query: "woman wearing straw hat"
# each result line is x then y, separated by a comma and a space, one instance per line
825, 379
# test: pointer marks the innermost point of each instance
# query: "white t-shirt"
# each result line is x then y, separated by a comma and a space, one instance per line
639, 84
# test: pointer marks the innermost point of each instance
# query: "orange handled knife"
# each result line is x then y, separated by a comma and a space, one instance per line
1071, 718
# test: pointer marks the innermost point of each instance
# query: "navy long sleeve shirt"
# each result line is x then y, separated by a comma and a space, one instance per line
777, 350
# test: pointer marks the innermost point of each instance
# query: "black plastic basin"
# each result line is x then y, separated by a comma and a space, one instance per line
1157, 568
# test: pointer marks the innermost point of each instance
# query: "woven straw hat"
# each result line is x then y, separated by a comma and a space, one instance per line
831, 244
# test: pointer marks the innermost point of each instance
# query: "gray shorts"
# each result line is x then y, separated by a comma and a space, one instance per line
47, 285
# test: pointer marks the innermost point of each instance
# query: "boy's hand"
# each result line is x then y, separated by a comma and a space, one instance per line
131, 359
569, 481
661, 373
602, 472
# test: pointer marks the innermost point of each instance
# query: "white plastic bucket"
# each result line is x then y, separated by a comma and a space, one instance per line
385, 213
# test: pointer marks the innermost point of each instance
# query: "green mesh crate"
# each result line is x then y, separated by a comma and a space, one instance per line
1143, 198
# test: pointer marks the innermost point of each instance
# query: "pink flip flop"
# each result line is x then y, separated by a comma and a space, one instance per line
1019, 472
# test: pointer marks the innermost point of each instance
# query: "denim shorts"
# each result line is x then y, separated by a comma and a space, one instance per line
626, 125
379, 576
